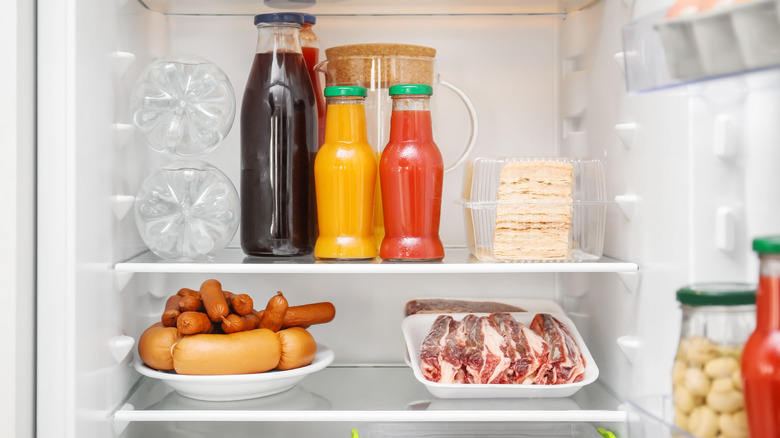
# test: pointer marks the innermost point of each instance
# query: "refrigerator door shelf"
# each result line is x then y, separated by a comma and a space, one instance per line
713, 44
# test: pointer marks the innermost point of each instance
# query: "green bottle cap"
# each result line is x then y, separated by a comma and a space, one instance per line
717, 294
345, 91
769, 245
411, 89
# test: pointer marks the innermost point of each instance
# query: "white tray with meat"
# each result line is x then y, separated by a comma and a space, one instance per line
498, 355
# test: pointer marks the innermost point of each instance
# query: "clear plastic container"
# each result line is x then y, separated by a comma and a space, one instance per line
525, 224
717, 319
184, 105
187, 211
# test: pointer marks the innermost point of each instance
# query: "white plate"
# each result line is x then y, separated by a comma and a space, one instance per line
417, 327
237, 386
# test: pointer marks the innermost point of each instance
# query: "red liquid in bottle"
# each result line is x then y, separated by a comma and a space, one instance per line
278, 146
411, 173
761, 362
312, 56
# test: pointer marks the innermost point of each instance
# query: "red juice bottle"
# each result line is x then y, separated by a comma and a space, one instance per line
310, 45
761, 355
278, 144
411, 171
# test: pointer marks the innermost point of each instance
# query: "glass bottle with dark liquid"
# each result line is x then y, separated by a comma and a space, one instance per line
278, 144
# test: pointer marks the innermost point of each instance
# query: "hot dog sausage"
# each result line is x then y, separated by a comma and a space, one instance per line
154, 346
251, 321
214, 300
191, 323
235, 323
186, 292
253, 351
306, 315
171, 311
191, 303
240, 304
298, 348
274, 313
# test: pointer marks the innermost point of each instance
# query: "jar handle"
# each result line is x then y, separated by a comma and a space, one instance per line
474, 125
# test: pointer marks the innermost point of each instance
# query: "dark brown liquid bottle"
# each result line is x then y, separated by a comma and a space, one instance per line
278, 144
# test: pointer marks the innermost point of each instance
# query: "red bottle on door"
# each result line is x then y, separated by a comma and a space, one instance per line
411, 171
761, 355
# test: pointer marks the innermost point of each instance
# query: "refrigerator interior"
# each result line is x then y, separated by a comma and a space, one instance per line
546, 79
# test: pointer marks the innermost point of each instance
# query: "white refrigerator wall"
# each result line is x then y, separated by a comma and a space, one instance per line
17, 225
541, 85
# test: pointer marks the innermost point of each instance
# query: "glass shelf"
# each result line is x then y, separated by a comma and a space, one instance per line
661, 53
367, 394
456, 260
367, 7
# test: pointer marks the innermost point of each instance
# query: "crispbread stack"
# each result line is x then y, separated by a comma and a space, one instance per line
534, 212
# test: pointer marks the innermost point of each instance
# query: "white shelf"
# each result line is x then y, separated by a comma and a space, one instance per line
366, 7
456, 261
370, 394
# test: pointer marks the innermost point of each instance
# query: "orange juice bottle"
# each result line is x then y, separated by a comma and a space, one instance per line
345, 178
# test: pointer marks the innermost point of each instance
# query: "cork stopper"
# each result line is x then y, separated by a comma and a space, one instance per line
385, 63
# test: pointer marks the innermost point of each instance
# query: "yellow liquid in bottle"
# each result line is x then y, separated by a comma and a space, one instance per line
345, 177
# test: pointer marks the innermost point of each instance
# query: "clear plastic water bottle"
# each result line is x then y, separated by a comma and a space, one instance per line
184, 105
187, 211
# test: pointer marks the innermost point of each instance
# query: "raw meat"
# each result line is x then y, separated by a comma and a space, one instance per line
567, 365
435, 305
433, 346
526, 350
498, 349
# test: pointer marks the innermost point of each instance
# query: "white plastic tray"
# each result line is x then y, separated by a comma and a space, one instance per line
237, 386
530, 305
417, 327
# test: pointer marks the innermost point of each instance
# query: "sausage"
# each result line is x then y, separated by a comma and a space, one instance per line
233, 323
306, 315
253, 351
172, 311
251, 321
240, 304
155, 344
186, 292
191, 323
298, 348
191, 303
274, 313
214, 300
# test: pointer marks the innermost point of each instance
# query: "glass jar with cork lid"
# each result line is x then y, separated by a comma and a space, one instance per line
377, 67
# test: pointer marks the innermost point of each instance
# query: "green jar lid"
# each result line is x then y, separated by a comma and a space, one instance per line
411, 89
345, 91
717, 294
769, 244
